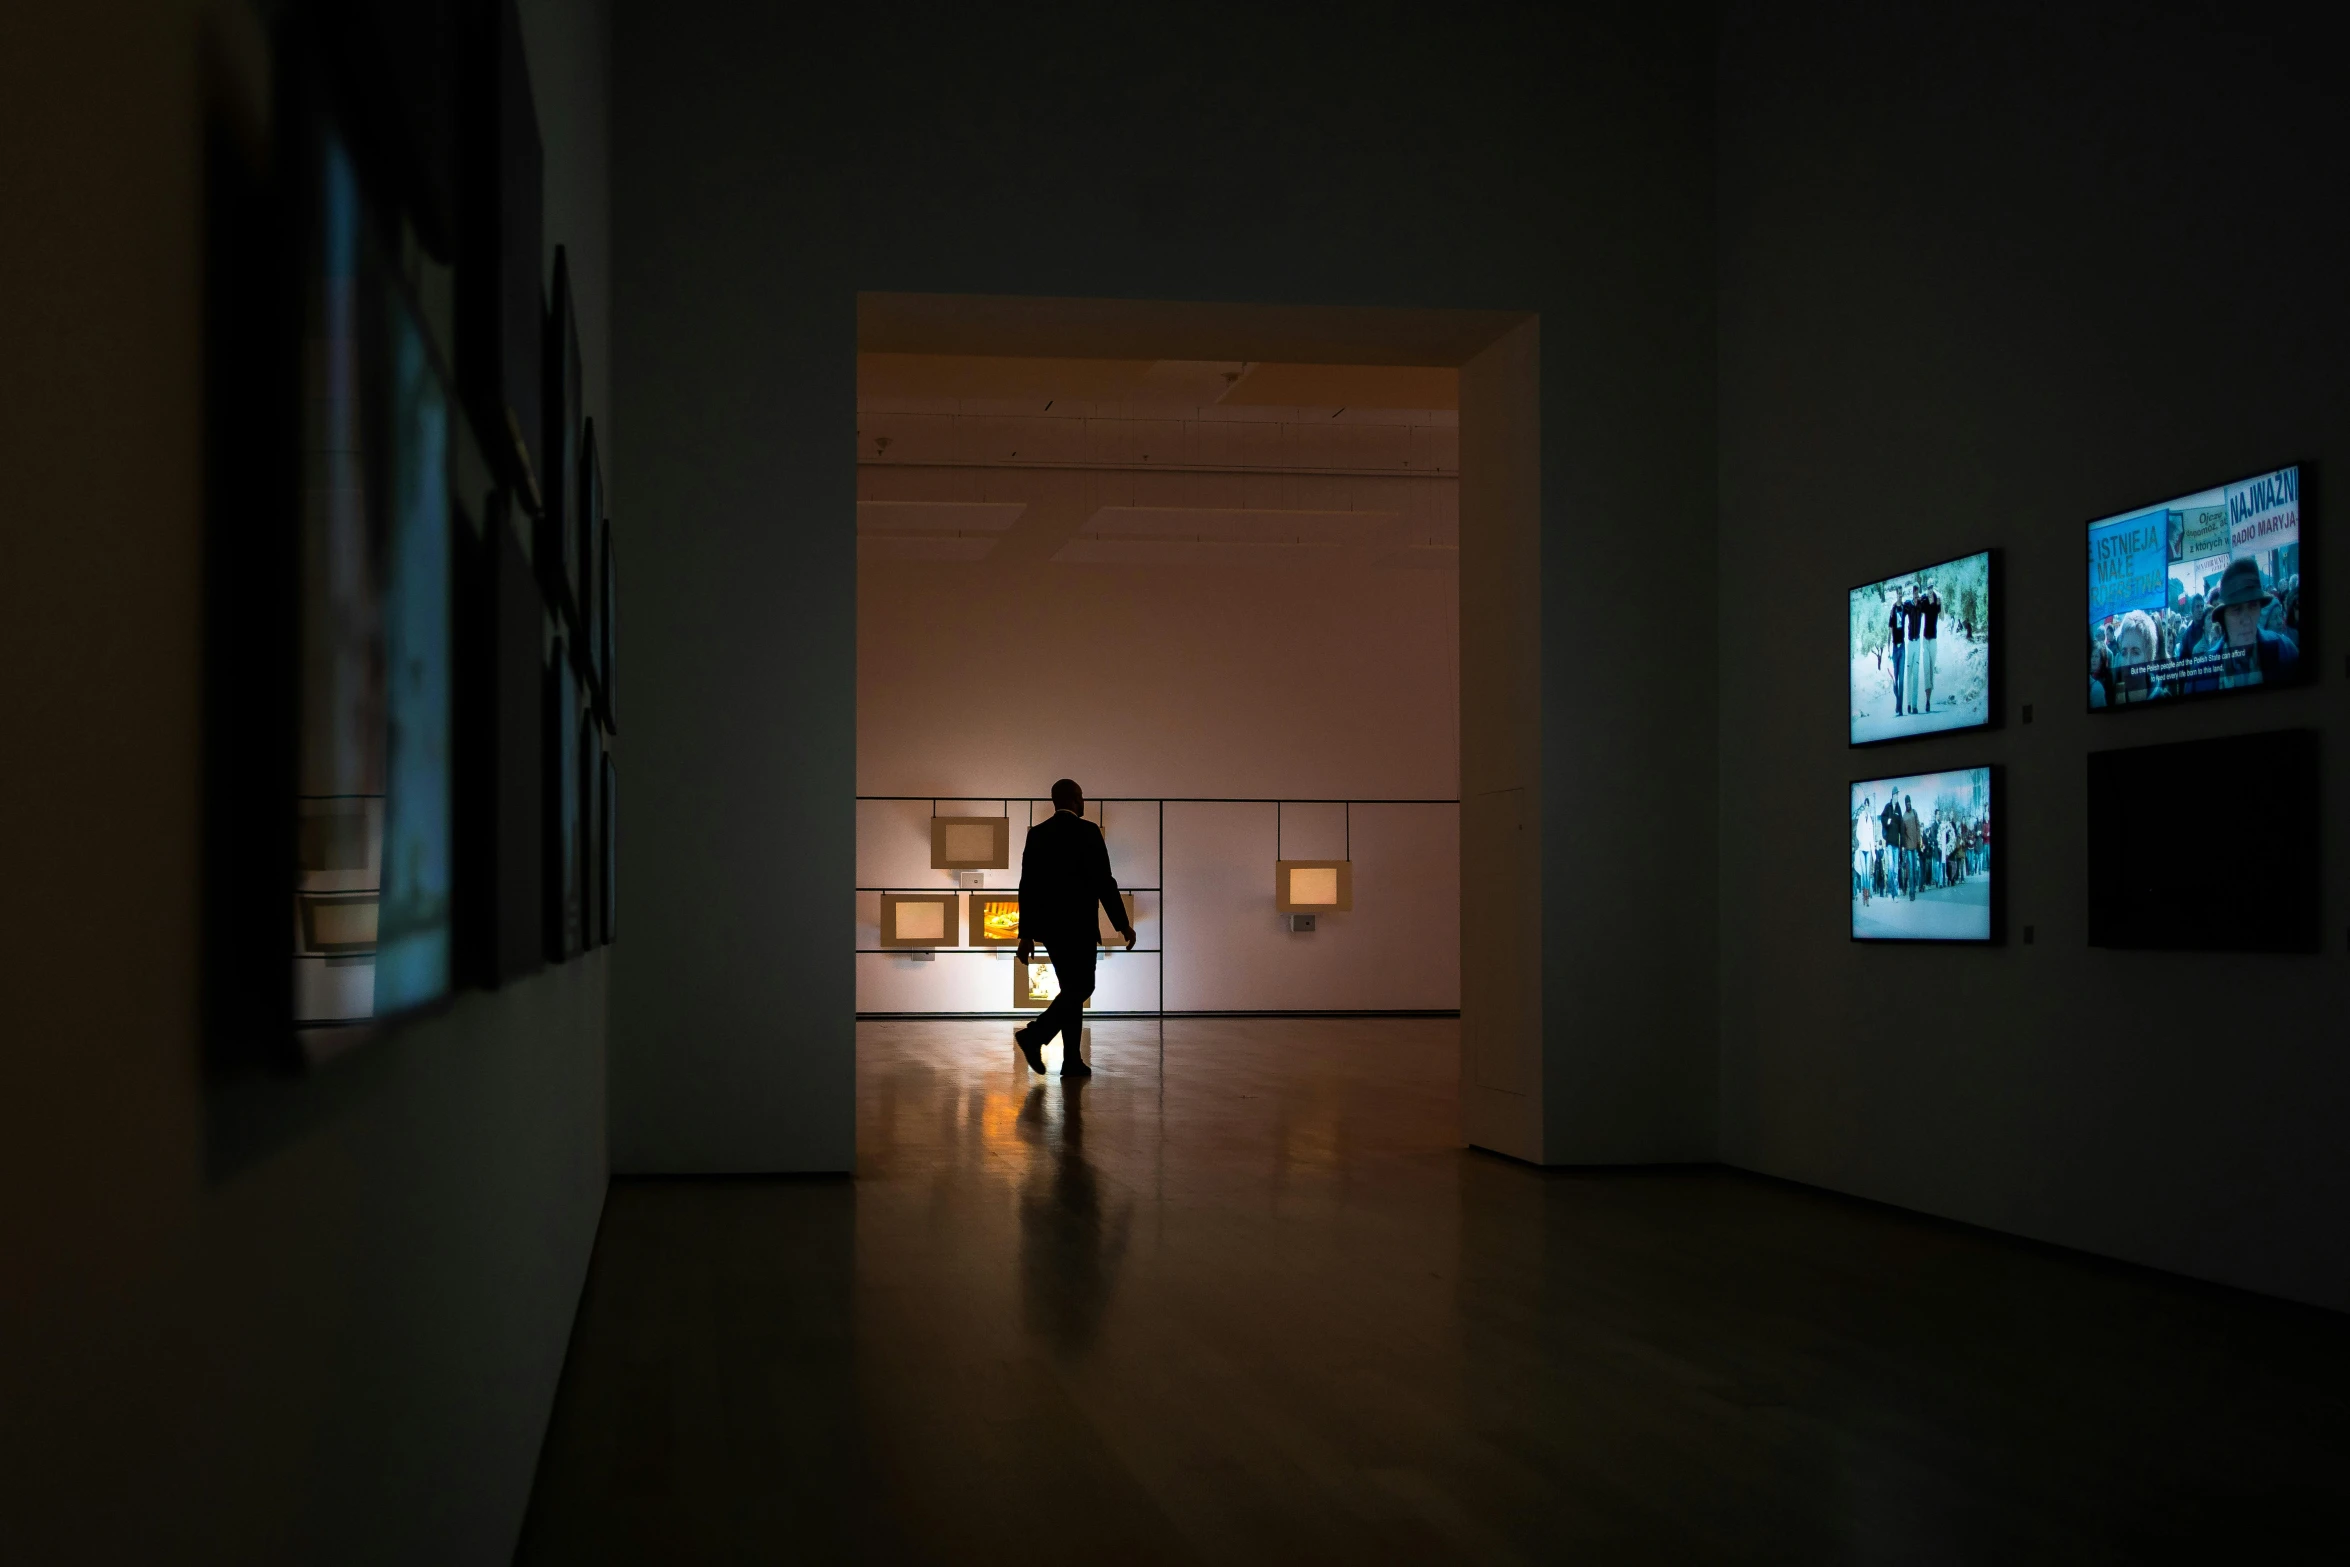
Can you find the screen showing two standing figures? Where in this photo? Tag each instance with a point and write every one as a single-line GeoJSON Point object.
{"type": "Point", "coordinates": [1920, 650]}
{"type": "Point", "coordinates": [2198, 594]}
{"type": "Point", "coordinates": [1921, 857]}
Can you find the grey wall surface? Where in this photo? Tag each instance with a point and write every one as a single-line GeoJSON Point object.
{"type": "Point", "coordinates": [310, 1321]}
{"type": "Point", "coordinates": [1981, 282]}
{"type": "Point", "coordinates": [764, 172]}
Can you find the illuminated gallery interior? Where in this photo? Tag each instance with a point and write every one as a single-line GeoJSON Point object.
{"type": "Point", "coordinates": [1408, 472]}
{"type": "Point", "coordinates": [1223, 595]}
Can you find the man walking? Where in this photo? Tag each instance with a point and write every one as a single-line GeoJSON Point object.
{"type": "Point", "coordinates": [1913, 614]}
{"type": "Point", "coordinates": [1930, 609]}
{"type": "Point", "coordinates": [1895, 625]}
{"type": "Point", "coordinates": [1913, 844]}
{"type": "Point", "coordinates": [1064, 875]}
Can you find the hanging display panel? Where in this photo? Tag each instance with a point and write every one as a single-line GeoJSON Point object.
{"type": "Point", "coordinates": [970, 843]}
{"type": "Point", "coordinates": [995, 919]}
{"type": "Point", "coordinates": [919, 919]}
{"type": "Point", "coordinates": [1313, 886]}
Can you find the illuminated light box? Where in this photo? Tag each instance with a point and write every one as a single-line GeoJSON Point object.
{"type": "Point", "coordinates": [995, 919]}
{"type": "Point", "coordinates": [338, 924]}
{"type": "Point", "coordinates": [970, 843]}
{"type": "Point", "coordinates": [1034, 985]}
{"type": "Point", "coordinates": [919, 919]}
{"type": "Point", "coordinates": [1106, 932]}
{"type": "Point", "coordinates": [1313, 886]}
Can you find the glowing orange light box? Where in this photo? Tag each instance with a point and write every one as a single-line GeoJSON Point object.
{"type": "Point", "coordinates": [1313, 886]}
{"type": "Point", "coordinates": [995, 919]}
{"type": "Point", "coordinates": [1034, 985]}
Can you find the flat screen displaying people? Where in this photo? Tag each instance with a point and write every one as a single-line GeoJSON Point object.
{"type": "Point", "coordinates": [1921, 857]}
{"type": "Point", "coordinates": [1920, 651]}
{"type": "Point", "coordinates": [2198, 594]}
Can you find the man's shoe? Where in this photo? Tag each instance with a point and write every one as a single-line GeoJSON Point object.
{"type": "Point", "coordinates": [1073, 1065]}
{"type": "Point", "coordinates": [1028, 1049]}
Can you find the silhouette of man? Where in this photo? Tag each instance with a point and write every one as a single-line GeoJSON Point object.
{"type": "Point", "coordinates": [1064, 875]}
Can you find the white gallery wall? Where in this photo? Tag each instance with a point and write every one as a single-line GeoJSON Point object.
{"type": "Point", "coordinates": [979, 682]}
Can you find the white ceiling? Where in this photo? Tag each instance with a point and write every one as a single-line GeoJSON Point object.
{"type": "Point", "coordinates": [1168, 462]}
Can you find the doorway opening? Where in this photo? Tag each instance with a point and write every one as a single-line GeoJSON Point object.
{"type": "Point", "coordinates": [1205, 560]}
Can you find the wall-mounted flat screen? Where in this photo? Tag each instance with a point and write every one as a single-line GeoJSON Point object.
{"type": "Point", "coordinates": [2197, 595]}
{"type": "Point", "coordinates": [1919, 648]}
{"type": "Point", "coordinates": [375, 791]}
{"type": "Point", "coordinates": [1921, 857]}
{"type": "Point", "coordinates": [2156, 881]}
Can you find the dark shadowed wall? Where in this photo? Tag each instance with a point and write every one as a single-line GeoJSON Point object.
{"type": "Point", "coordinates": [1983, 280]}
{"type": "Point", "coordinates": [1522, 158]}
{"type": "Point", "coordinates": [318, 1321]}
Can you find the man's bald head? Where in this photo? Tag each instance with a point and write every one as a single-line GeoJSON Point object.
{"type": "Point", "coordinates": [1068, 797]}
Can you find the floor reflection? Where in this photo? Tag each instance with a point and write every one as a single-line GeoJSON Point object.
{"type": "Point", "coordinates": [1246, 1299]}
{"type": "Point", "coordinates": [1069, 1248]}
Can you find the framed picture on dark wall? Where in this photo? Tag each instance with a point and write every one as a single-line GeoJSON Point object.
{"type": "Point", "coordinates": [2201, 594]}
{"type": "Point", "coordinates": [608, 640]}
{"type": "Point", "coordinates": [500, 301]}
{"type": "Point", "coordinates": [557, 544]}
{"type": "Point", "coordinates": [373, 819]}
{"type": "Point", "coordinates": [586, 524]}
{"type": "Point", "coordinates": [591, 831]}
{"type": "Point", "coordinates": [501, 750]}
{"type": "Point", "coordinates": [1920, 650]}
{"type": "Point", "coordinates": [611, 849]}
{"type": "Point", "coordinates": [565, 909]}
{"type": "Point", "coordinates": [1922, 858]}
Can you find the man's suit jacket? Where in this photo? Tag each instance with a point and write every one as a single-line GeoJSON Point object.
{"type": "Point", "coordinates": [1064, 876]}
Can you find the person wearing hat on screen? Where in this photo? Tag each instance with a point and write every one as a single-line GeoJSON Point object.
{"type": "Point", "coordinates": [1064, 875]}
{"type": "Point", "coordinates": [2240, 602]}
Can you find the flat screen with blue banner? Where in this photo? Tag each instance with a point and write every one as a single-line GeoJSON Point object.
{"type": "Point", "coordinates": [2198, 595]}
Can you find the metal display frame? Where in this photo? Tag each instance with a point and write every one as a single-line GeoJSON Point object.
{"type": "Point", "coordinates": [1160, 802]}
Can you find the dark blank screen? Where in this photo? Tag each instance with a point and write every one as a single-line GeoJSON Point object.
{"type": "Point", "coordinates": [2164, 875]}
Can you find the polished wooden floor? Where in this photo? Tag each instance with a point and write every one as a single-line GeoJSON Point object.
{"type": "Point", "coordinates": [1239, 1298]}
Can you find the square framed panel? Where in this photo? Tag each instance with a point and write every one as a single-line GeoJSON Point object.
{"type": "Point", "coordinates": [1034, 985]}
{"type": "Point", "coordinates": [920, 919]}
{"type": "Point", "coordinates": [337, 924]}
{"type": "Point", "coordinates": [995, 919]}
{"type": "Point", "coordinates": [1313, 886]}
{"type": "Point", "coordinates": [970, 843]}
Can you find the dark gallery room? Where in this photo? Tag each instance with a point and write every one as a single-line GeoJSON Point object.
{"type": "Point", "coordinates": [1224, 944]}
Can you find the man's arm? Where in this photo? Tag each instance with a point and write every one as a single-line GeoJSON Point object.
{"type": "Point", "coordinates": [1027, 948]}
{"type": "Point", "coordinates": [1108, 883]}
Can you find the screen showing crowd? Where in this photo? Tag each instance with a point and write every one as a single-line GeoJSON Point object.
{"type": "Point", "coordinates": [1920, 651]}
{"type": "Point", "coordinates": [2198, 594]}
{"type": "Point", "coordinates": [1921, 857]}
